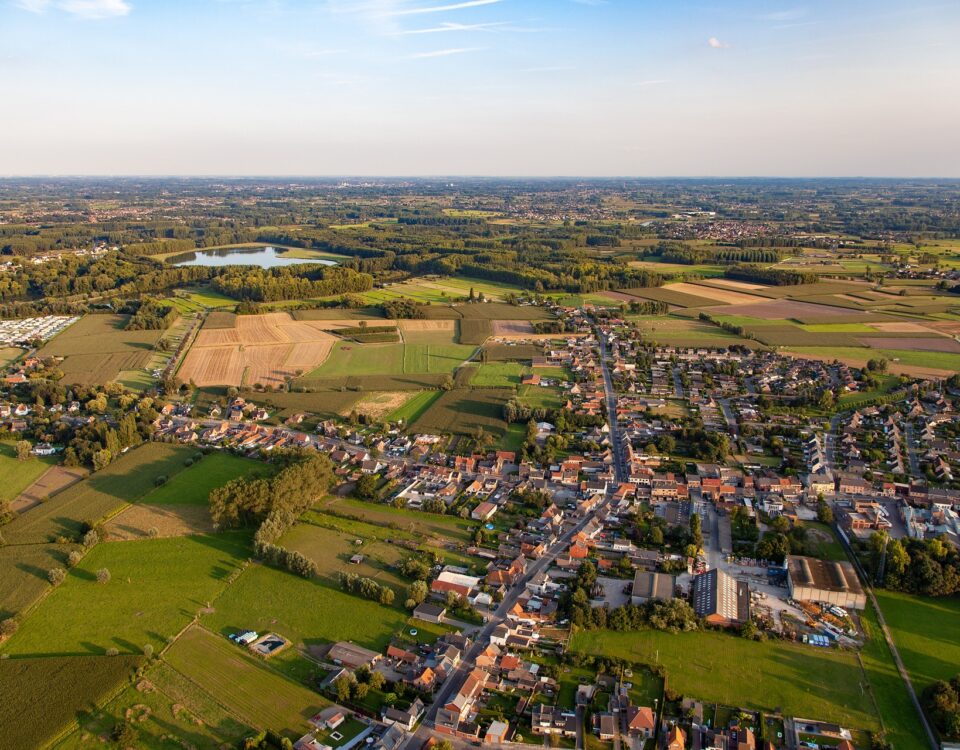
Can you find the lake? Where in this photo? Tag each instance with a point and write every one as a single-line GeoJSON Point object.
{"type": "Point", "coordinates": [265, 257]}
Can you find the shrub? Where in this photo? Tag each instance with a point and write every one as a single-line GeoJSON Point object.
{"type": "Point", "coordinates": [74, 558]}
{"type": "Point", "coordinates": [103, 575]}
{"type": "Point", "coordinates": [112, 651]}
{"type": "Point", "coordinates": [9, 626]}
{"type": "Point", "coordinates": [56, 576]}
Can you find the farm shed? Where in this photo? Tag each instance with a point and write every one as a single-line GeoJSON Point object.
{"type": "Point", "coordinates": [814, 580]}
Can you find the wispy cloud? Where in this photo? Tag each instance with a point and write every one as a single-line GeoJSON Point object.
{"type": "Point", "coordinates": [418, 10]}
{"type": "Point", "coordinates": [443, 52]}
{"type": "Point", "coordinates": [650, 82]}
{"type": "Point", "coordinates": [88, 9]}
{"type": "Point", "coordinates": [547, 69]}
{"type": "Point", "coordinates": [782, 16]}
{"type": "Point", "coordinates": [451, 26]}
{"type": "Point", "coordinates": [716, 43]}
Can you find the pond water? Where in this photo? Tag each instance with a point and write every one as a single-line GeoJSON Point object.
{"type": "Point", "coordinates": [265, 257]}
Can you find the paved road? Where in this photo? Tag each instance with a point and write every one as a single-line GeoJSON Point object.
{"type": "Point", "coordinates": [619, 464]}
{"type": "Point", "coordinates": [910, 434]}
{"type": "Point", "coordinates": [729, 416]}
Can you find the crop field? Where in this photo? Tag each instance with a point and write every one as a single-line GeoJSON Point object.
{"type": "Point", "coordinates": [429, 331]}
{"type": "Point", "coordinates": [720, 296]}
{"type": "Point", "coordinates": [41, 697]}
{"type": "Point", "coordinates": [463, 411]}
{"type": "Point", "coordinates": [340, 313]}
{"type": "Point", "coordinates": [670, 296]}
{"type": "Point", "coordinates": [782, 309]}
{"type": "Point", "coordinates": [220, 320]}
{"type": "Point", "coordinates": [498, 375]}
{"type": "Point", "coordinates": [414, 407]}
{"type": "Point", "coordinates": [129, 477]}
{"type": "Point", "coordinates": [16, 476]}
{"type": "Point", "coordinates": [24, 577]}
{"type": "Point", "coordinates": [158, 522]}
{"type": "Point", "coordinates": [770, 676]}
{"type": "Point", "coordinates": [192, 300]}
{"type": "Point", "coordinates": [53, 480]}
{"type": "Point", "coordinates": [381, 404]}
{"type": "Point", "coordinates": [920, 364]}
{"type": "Point", "coordinates": [476, 330]}
{"type": "Point", "coordinates": [9, 355]}
{"type": "Point", "coordinates": [162, 704]}
{"type": "Point", "coordinates": [264, 349]}
{"type": "Point", "coordinates": [193, 485]}
{"type": "Point", "coordinates": [97, 349]}
{"type": "Point", "coordinates": [512, 328]}
{"type": "Point", "coordinates": [254, 692]}
{"type": "Point", "coordinates": [924, 630]}
{"type": "Point", "coordinates": [512, 352]}
{"type": "Point", "coordinates": [350, 359]}
{"type": "Point", "coordinates": [674, 331]}
{"type": "Point", "coordinates": [360, 383]}
{"type": "Point", "coordinates": [156, 587]}
{"type": "Point", "coordinates": [324, 404]}
{"type": "Point", "coordinates": [538, 397]}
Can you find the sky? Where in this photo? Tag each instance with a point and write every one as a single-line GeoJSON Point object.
{"type": "Point", "coordinates": [480, 87]}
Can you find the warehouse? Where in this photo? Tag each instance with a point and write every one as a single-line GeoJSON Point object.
{"type": "Point", "coordinates": [813, 580]}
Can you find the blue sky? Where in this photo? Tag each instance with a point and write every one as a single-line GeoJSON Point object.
{"type": "Point", "coordinates": [502, 87]}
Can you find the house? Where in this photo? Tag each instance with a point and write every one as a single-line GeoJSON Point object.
{"type": "Point", "coordinates": [676, 739]}
{"type": "Point", "coordinates": [607, 727]}
{"type": "Point", "coordinates": [484, 511]}
{"type": "Point", "coordinates": [549, 720]}
{"type": "Point", "coordinates": [641, 721]}
{"type": "Point", "coordinates": [406, 718]}
{"type": "Point", "coordinates": [496, 733]}
{"type": "Point", "coordinates": [460, 584]}
{"type": "Point", "coordinates": [429, 612]}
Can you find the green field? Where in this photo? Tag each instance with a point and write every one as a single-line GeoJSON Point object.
{"type": "Point", "coordinates": [24, 576]}
{"type": "Point", "coordinates": [769, 676]}
{"type": "Point", "coordinates": [674, 331]}
{"type": "Point", "coordinates": [191, 300]}
{"type": "Point", "coordinates": [126, 479]}
{"type": "Point", "coordinates": [414, 407]}
{"type": "Point", "coordinates": [348, 359]}
{"type": "Point", "coordinates": [16, 476]}
{"type": "Point", "coordinates": [156, 587]}
{"type": "Point", "coordinates": [463, 411]}
{"type": "Point", "coordinates": [253, 691]}
{"type": "Point", "coordinates": [192, 486]}
{"type": "Point", "coordinates": [926, 632]}
{"type": "Point", "coordinates": [165, 703]}
{"type": "Point", "coordinates": [514, 437]}
{"type": "Point", "coordinates": [938, 360]}
{"type": "Point", "coordinates": [9, 355]}
{"type": "Point", "coordinates": [97, 348]}
{"type": "Point", "coordinates": [538, 397]}
{"type": "Point", "coordinates": [41, 697]}
{"type": "Point", "coordinates": [499, 375]}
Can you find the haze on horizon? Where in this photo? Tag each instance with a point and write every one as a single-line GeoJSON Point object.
{"type": "Point", "coordinates": [480, 87]}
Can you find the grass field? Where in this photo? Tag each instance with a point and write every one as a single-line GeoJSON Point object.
{"type": "Point", "coordinates": [156, 587]}
{"type": "Point", "coordinates": [925, 631]}
{"type": "Point", "coordinates": [324, 404]}
{"type": "Point", "coordinates": [946, 361]}
{"type": "Point", "coordinates": [674, 331]}
{"type": "Point", "coordinates": [538, 397]}
{"type": "Point", "coordinates": [9, 355]}
{"type": "Point", "coordinates": [129, 477]}
{"type": "Point", "coordinates": [769, 676]}
{"type": "Point", "coordinates": [191, 300]}
{"type": "Point", "coordinates": [193, 486]}
{"type": "Point", "coordinates": [414, 408]}
{"type": "Point", "coordinates": [16, 476]}
{"type": "Point", "coordinates": [97, 348]}
{"type": "Point", "coordinates": [163, 704]}
{"type": "Point", "coordinates": [41, 697]}
{"type": "Point", "coordinates": [499, 375]}
{"type": "Point", "coordinates": [463, 411]}
{"type": "Point", "coordinates": [254, 692]}
{"type": "Point", "coordinates": [24, 576]}
{"type": "Point", "coordinates": [513, 438]}
{"type": "Point", "coordinates": [349, 359]}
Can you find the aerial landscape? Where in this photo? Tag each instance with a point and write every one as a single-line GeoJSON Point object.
{"type": "Point", "coordinates": [345, 436]}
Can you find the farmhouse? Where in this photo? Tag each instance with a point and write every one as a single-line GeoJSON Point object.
{"type": "Point", "coordinates": [429, 612]}
{"type": "Point", "coordinates": [647, 586]}
{"type": "Point", "coordinates": [811, 579]}
{"type": "Point", "coordinates": [352, 656]}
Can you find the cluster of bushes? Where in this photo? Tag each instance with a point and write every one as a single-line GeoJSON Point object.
{"type": "Point", "coordinates": [941, 701]}
{"type": "Point", "coordinates": [366, 587]}
{"type": "Point", "coordinates": [770, 276]}
{"type": "Point", "coordinates": [292, 560]}
{"type": "Point", "coordinates": [151, 315]}
{"type": "Point", "coordinates": [402, 308]}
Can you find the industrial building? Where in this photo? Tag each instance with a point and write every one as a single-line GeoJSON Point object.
{"type": "Point", "coordinates": [814, 580]}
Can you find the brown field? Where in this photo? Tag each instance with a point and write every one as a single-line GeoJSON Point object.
{"type": "Point", "coordinates": [902, 327]}
{"type": "Point", "coordinates": [947, 327]}
{"type": "Point", "coordinates": [728, 297]}
{"type": "Point", "coordinates": [734, 284]}
{"type": "Point", "coordinates": [169, 520]}
{"type": "Point", "coordinates": [786, 308]}
{"type": "Point", "coordinates": [379, 403]}
{"type": "Point", "coordinates": [512, 328]}
{"type": "Point", "coordinates": [334, 324]}
{"type": "Point", "coordinates": [918, 344]}
{"type": "Point", "coordinates": [53, 480]}
{"type": "Point", "coordinates": [426, 325]}
{"type": "Point", "coordinates": [265, 349]}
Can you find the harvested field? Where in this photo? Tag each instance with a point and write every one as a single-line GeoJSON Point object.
{"type": "Point", "coordinates": [398, 382]}
{"type": "Point", "coordinates": [917, 344]}
{"type": "Point", "coordinates": [266, 349]}
{"type": "Point", "coordinates": [729, 297]}
{"type": "Point", "coordinates": [904, 327]}
{"type": "Point", "coordinates": [465, 410]}
{"type": "Point", "coordinates": [512, 328]}
{"type": "Point", "coordinates": [339, 313]}
{"type": "Point", "coordinates": [140, 521]}
{"type": "Point", "coordinates": [786, 308]}
{"type": "Point", "coordinates": [512, 352]}
{"type": "Point", "coordinates": [377, 405]}
{"type": "Point", "coordinates": [427, 325]}
{"type": "Point", "coordinates": [55, 479]}
{"type": "Point", "coordinates": [219, 319]}
{"type": "Point", "coordinates": [670, 296]}
{"type": "Point", "coordinates": [334, 324]}
{"type": "Point", "coordinates": [474, 331]}
{"type": "Point", "coordinates": [734, 284]}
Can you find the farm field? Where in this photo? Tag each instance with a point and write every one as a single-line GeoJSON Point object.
{"type": "Point", "coordinates": [129, 477]}
{"type": "Point", "coordinates": [768, 676]}
{"type": "Point", "coordinates": [323, 404]}
{"type": "Point", "coordinates": [162, 704]}
{"type": "Point", "coordinates": [429, 331]}
{"type": "Point", "coordinates": [935, 364]}
{"type": "Point", "coordinates": [381, 404]}
{"type": "Point", "coordinates": [684, 332]}
{"type": "Point", "coordinates": [254, 692]}
{"type": "Point", "coordinates": [428, 528]}
{"type": "Point", "coordinates": [97, 348]}
{"type": "Point", "coordinates": [156, 587]}
{"type": "Point", "coordinates": [197, 299]}
{"type": "Point", "coordinates": [499, 375]}
{"type": "Point", "coordinates": [266, 349]}
{"type": "Point", "coordinates": [539, 397]}
{"type": "Point", "coordinates": [192, 486]}
{"type": "Point", "coordinates": [15, 475]}
{"type": "Point", "coordinates": [50, 482]}
{"type": "Point", "coordinates": [142, 521]}
{"type": "Point", "coordinates": [414, 407]}
{"type": "Point", "coordinates": [42, 696]}
{"type": "Point", "coordinates": [348, 359]}
{"type": "Point", "coordinates": [463, 411]}
{"type": "Point", "coordinates": [9, 355]}
{"type": "Point", "coordinates": [24, 577]}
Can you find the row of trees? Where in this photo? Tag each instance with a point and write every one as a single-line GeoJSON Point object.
{"type": "Point", "coordinates": [366, 587]}
{"type": "Point", "coordinates": [274, 284]}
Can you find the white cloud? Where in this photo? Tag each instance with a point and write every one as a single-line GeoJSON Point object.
{"type": "Point", "coordinates": [451, 26]}
{"type": "Point", "coordinates": [439, 8]}
{"type": "Point", "coordinates": [716, 43]}
{"type": "Point", "coordinates": [443, 52]}
{"type": "Point", "coordinates": [90, 9]}
{"type": "Point", "coordinates": [791, 14]}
